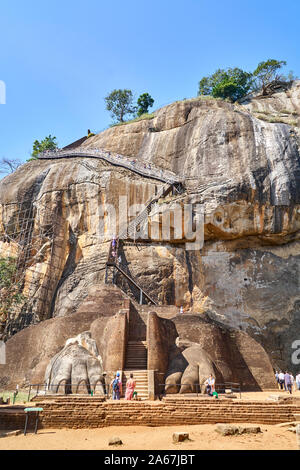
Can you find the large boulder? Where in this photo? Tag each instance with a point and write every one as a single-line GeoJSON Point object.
{"type": "Point", "coordinates": [244, 171]}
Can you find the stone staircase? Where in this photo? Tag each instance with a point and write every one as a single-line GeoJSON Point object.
{"type": "Point", "coordinates": [136, 355]}
{"type": "Point", "coordinates": [136, 363]}
{"type": "Point", "coordinates": [141, 379]}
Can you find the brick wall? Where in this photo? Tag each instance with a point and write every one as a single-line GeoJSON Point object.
{"type": "Point", "coordinates": [89, 412]}
{"type": "Point", "coordinates": [12, 418]}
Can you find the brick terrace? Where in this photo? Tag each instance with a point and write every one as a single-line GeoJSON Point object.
{"type": "Point", "coordinates": [92, 412]}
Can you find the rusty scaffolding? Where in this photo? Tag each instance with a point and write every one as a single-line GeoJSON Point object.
{"type": "Point", "coordinates": [29, 237]}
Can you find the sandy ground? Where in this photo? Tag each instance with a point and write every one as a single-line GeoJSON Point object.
{"type": "Point", "coordinates": [202, 437]}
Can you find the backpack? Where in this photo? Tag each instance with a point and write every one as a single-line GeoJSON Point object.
{"type": "Point", "coordinates": [115, 385]}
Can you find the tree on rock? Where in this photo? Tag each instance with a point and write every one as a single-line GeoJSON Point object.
{"type": "Point", "coordinates": [144, 102]}
{"type": "Point", "coordinates": [120, 103]}
{"type": "Point", "coordinates": [232, 83]}
{"type": "Point", "coordinates": [48, 143]}
{"type": "Point", "coordinates": [267, 72]}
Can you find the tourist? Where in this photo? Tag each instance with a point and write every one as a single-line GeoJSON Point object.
{"type": "Point", "coordinates": [292, 381]}
{"type": "Point", "coordinates": [281, 380]}
{"type": "Point", "coordinates": [181, 309]}
{"type": "Point", "coordinates": [297, 379]}
{"type": "Point", "coordinates": [130, 386]}
{"type": "Point", "coordinates": [116, 385]}
{"type": "Point", "coordinates": [210, 385]}
{"type": "Point", "coordinates": [288, 382]}
{"type": "Point", "coordinates": [211, 382]}
{"type": "Point", "coordinates": [277, 378]}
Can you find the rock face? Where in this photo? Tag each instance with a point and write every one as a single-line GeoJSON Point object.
{"type": "Point", "coordinates": [244, 172]}
{"type": "Point", "coordinates": [191, 348]}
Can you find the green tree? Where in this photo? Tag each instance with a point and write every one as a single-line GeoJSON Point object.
{"type": "Point", "coordinates": [266, 72]}
{"type": "Point", "coordinates": [232, 83]}
{"type": "Point", "coordinates": [120, 103]}
{"type": "Point", "coordinates": [48, 143]}
{"type": "Point", "coordinates": [144, 102]}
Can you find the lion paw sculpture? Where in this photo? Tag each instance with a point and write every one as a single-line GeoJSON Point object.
{"type": "Point", "coordinates": [77, 368]}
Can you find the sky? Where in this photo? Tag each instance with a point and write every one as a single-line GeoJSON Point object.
{"type": "Point", "coordinates": [60, 58]}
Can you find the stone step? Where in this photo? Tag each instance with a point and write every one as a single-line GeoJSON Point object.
{"type": "Point", "coordinates": [136, 354]}
{"type": "Point", "coordinates": [135, 366]}
{"type": "Point", "coordinates": [135, 357]}
{"type": "Point", "coordinates": [141, 379]}
{"type": "Point", "coordinates": [137, 344]}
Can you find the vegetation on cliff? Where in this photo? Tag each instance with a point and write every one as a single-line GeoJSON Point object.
{"type": "Point", "coordinates": [234, 83]}
{"type": "Point", "coordinates": [120, 103]}
{"type": "Point", "coordinates": [48, 143]}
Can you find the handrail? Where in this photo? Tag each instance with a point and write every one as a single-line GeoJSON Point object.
{"type": "Point", "coordinates": [115, 159]}
{"type": "Point", "coordinates": [129, 278]}
{"type": "Point", "coordinates": [46, 389]}
{"type": "Point", "coordinates": [128, 230]}
{"type": "Point", "coordinates": [219, 387]}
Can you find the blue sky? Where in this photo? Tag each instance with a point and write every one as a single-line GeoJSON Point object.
{"type": "Point", "coordinates": [59, 59]}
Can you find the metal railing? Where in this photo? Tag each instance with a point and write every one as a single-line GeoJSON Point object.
{"type": "Point", "coordinates": [68, 388]}
{"type": "Point", "coordinates": [83, 388]}
{"type": "Point", "coordinates": [131, 163]}
{"type": "Point", "coordinates": [220, 388]}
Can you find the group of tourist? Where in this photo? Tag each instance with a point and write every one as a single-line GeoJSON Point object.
{"type": "Point", "coordinates": [287, 381]}
{"type": "Point", "coordinates": [116, 385]}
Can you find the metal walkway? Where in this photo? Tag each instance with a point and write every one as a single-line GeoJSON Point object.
{"type": "Point", "coordinates": [131, 163]}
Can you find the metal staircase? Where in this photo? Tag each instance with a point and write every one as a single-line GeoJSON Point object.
{"type": "Point", "coordinates": [129, 231]}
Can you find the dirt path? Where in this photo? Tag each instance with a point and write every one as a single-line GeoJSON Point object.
{"type": "Point", "coordinates": [203, 437]}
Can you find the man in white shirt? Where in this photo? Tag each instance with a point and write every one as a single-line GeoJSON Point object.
{"type": "Point", "coordinates": [298, 381]}
{"type": "Point", "coordinates": [281, 380]}
{"type": "Point", "coordinates": [210, 385]}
